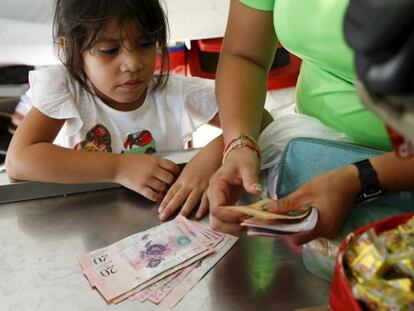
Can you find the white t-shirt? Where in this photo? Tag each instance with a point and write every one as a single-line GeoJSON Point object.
{"type": "Point", "coordinates": [164, 122]}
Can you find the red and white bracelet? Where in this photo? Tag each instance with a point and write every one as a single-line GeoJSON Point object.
{"type": "Point", "coordinates": [239, 143]}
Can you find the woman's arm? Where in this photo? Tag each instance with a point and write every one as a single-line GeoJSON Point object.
{"type": "Point", "coordinates": [333, 193]}
{"type": "Point", "coordinates": [241, 83]}
{"type": "Point", "coordinates": [394, 173]}
{"type": "Point", "coordinates": [246, 56]}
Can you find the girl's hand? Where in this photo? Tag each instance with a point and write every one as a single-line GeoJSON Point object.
{"type": "Point", "coordinates": [189, 189]}
{"type": "Point", "coordinates": [332, 193]}
{"type": "Point", "coordinates": [238, 173]}
{"type": "Point", "coordinates": [148, 175]}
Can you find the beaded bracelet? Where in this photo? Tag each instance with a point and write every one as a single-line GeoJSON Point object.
{"type": "Point", "coordinates": [235, 145]}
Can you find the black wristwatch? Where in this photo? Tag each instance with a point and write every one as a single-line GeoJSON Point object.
{"type": "Point", "coordinates": [370, 186]}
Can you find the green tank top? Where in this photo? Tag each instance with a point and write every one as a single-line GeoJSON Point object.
{"type": "Point", "coordinates": [313, 30]}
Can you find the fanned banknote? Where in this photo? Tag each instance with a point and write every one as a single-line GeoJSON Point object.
{"type": "Point", "coordinates": [144, 266]}
{"type": "Point", "coordinates": [139, 259]}
{"type": "Point", "coordinates": [151, 290]}
{"type": "Point", "coordinates": [201, 268]}
{"type": "Point", "coordinates": [158, 293]}
{"type": "Point", "coordinates": [169, 293]}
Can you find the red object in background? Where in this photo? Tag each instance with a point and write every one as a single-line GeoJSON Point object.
{"type": "Point", "coordinates": [203, 65]}
{"type": "Point", "coordinates": [203, 58]}
{"type": "Point", "coordinates": [285, 76]}
{"type": "Point", "coordinates": [210, 45]}
{"type": "Point", "coordinates": [341, 298]}
{"type": "Point", "coordinates": [402, 146]}
{"type": "Point", "coordinates": [201, 61]}
{"type": "Point", "coordinates": [178, 59]}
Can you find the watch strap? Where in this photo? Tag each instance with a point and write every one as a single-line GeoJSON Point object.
{"type": "Point", "coordinates": [368, 178]}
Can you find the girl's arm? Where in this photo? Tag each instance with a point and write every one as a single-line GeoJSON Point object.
{"type": "Point", "coordinates": [190, 187]}
{"type": "Point", "coordinates": [32, 156]}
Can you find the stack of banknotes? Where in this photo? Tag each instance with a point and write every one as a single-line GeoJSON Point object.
{"type": "Point", "coordinates": [159, 265]}
{"type": "Point", "coordinates": [264, 223]}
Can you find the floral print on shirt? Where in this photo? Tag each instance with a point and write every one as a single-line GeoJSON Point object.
{"type": "Point", "coordinates": [141, 141]}
{"type": "Point", "coordinates": [98, 139]}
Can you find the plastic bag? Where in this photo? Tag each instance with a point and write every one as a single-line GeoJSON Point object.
{"type": "Point", "coordinates": [275, 137]}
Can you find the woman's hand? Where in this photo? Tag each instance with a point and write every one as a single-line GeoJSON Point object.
{"type": "Point", "coordinates": [148, 175]}
{"type": "Point", "coordinates": [333, 193]}
{"type": "Point", "coordinates": [238, 173]}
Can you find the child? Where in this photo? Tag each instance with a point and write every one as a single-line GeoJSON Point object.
{"type": "Point", "coordinates": [106, 98]}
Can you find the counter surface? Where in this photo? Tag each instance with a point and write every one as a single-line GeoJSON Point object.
{"type": "Point", "coordinates": [40, 241]}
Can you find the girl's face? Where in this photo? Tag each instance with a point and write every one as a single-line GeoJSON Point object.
{"type": "Point", "coordinates": [120, 66]}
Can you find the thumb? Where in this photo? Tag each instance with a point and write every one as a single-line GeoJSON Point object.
{"type": "Point", "coordinates": [250, 179]}
{"type": "Point", "coordinates": [293, 201]}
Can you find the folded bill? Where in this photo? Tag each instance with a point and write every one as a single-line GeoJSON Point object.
{"type": "Point", "coordinates": [260, 227]}
{"type": "Point", "coordinates": [259, 210]}
{"type": "Point", "coordinates": [264, 223]}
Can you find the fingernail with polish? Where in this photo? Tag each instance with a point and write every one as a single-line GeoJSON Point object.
{"type": "Point", "coordinates": [258, 187]}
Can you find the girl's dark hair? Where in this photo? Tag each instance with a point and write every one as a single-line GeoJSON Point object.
{"type": "Point", "coordinates": [80, 22]}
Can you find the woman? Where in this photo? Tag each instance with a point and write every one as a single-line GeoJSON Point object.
{"type": "Point", "coordinates": [313, 31]}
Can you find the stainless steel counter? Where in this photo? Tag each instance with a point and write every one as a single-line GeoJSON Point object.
{"type": "Point", "coordinates": [41, 239]}
{"type": "Point", "coordinates": [15, 191]}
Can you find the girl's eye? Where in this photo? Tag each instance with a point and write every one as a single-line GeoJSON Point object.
{"type": "Point", "coordinates": [109, 52]}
